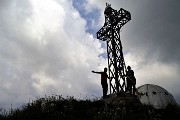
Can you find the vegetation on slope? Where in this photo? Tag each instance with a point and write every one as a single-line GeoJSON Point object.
{"type": "Point", "coordinates": [58, 108]}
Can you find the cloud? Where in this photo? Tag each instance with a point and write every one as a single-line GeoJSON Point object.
{"type": "Point", "coordinates": [45, 49]}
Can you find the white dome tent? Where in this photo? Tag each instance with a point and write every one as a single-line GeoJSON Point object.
{"type": "Point", "coordinates": [155, 95]}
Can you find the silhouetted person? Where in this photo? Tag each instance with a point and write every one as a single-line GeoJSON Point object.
{"type": "Point", "coordinates": [104, 83]}
{"type": "Point", "coordinates": [131, 80]}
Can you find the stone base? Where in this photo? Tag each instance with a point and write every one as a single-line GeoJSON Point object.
{"type": "Point", "coordinates": [122, 99]}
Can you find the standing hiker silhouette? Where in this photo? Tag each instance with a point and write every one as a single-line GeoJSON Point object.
{"type": "Point", "coordinates": [131, 80]}
{"type": "Point", "coordinates": [104, 83]}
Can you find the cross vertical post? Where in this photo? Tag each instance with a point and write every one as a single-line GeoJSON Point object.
{"type": "Point", "coordinates": [110, 33]}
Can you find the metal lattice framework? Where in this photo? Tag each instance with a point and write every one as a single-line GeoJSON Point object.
{"type": "Point", "coordinates": [110, 33]}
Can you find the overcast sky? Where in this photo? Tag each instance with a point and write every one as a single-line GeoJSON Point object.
{"type": "Point", "coordinates": [50, 47]}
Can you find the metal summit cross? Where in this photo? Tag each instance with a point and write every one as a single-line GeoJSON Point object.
{"type": "Point", "coordinates": [110, 33]}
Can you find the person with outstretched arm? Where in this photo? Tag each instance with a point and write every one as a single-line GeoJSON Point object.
{"type": "Point", "coordinates": [104, 83]}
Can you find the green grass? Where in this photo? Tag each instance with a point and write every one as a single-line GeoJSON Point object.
{"type": "Point", "coordinates": [59, 108]}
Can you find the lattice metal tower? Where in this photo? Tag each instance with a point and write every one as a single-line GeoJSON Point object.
{"type": "Point", "coordinates": [110, 33]}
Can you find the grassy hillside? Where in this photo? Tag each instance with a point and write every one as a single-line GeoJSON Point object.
{"type": "Point", "coordinates": [59, 108]}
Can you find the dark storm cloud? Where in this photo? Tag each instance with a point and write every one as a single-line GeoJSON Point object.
{"type": "Point", "coordinates": [155, 31]}
{"type": "Point", "coordinates": [154, 37]}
